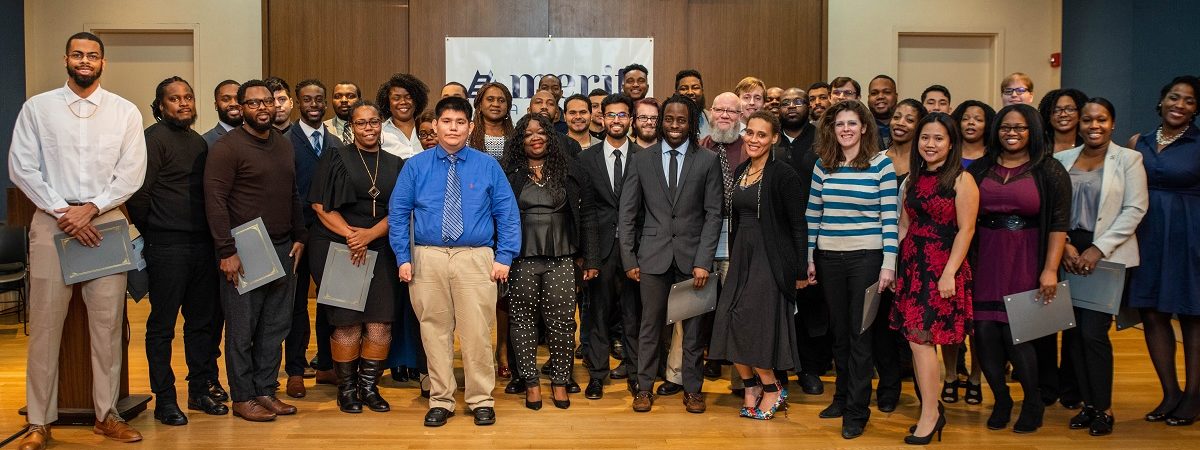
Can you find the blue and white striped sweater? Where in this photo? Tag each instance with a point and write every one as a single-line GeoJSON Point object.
{"type": "Point", "coordinates": [853, 209]}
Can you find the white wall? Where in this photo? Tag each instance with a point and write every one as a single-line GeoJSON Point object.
{"type": "Point", "coordinates": [228, 39]}
{"type": "Point", "coordinates": [863, 34]}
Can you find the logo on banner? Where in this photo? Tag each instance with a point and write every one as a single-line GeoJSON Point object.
{"type": "Point", "coordinates": [524, 85]}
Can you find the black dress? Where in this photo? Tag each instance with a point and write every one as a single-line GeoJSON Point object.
{"type": "Point", "coordinates": [753, 323]}
{"type": "Point", "coordinates": [342, 183]}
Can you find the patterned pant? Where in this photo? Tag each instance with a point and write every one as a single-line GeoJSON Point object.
{"type": "Point", "coordinates": [546, 286]}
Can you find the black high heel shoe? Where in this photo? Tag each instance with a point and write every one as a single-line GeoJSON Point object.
{"type": "Point", "coordinates": [950, 392]}
{"type": "Point", "coordinates": [974, 395]}
{"type": "Point", "coordinates": [533, 405]}
{"type": "Point", "coordinates": [1163, 411]}
{"type": "Point", "coordinates": [941, 411]}
{"type": "Point", "coordinates": [560, 404]}
{"type": "Point", "coordinates": [937, 428]}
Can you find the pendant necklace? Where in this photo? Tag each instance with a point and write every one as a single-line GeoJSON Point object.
{"type": "Point", "coordinates": [373, 191]}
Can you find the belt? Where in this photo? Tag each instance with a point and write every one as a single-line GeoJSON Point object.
{"type": "Point", "coordinates": [1007, 222]}
{"type": "Point", "coordinates": [77, 203]}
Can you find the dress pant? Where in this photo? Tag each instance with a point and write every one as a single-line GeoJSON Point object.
{"type": "Point", "coordinates": [295, 345]}
{"type": "Point", "coordinates": [1089, 347]}
{"type": "Point", "coordinates": [889, 349]}
{"type": "Point", "coordinates": [844, 277]}
{"type": "Point", "coordinates": [183, 277]}
{"type": "Point", "coordinates": [1056, 378]}
{"type": "Point", "coordinates": [543, 287]}
{"type": "Point", "coordinates": [612, 294]}
{"type": "Point", "coordinates": [655, 289]}
{"type": "Point", "coordinates": [255, 324]}
{"type": "Point", "coordinates": [49, 300]}
{"type": "Point", "coordinates": [453, 293]}
{"type": "Point", "coordinates": [815, 352]}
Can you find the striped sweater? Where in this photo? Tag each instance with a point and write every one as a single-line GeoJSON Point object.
{"type": "Point", "coordinates": [853, 209]}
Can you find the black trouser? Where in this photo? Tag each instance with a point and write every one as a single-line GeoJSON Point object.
{"type": "Point", "coordinates": [890, 350]}
{"type": "Point", "coordinates": [295, 346]}
{"type": "Point", "coordinates": [815, 349]}
{"type": "Point", "coordinates": [655, 288]}
{"type": "Point", "coordinates": [255, 325]}
{"type": "Point", "coordinates": [542, 286]}
{"type": "Point", "coordinates": [612, 294]}
{"type": "Point", "coordinates": [182, 277]}
{"type": "Point", "coordinates": [844, 277]}
{"type": "Point", "coordinates": [1088, 345]}
{"type": "Point", "coordinates": [1056, 378]}
{"type": "Point", "coordinates": [993, 343]}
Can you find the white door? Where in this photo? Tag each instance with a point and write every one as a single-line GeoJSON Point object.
{"type": "Point", "coordinates": [964, 63]}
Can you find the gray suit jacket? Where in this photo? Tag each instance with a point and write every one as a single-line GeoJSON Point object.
{"type": "Point", "coordinates": [212, 135]}
{"type": "Point", "coordinates": [683, 229]}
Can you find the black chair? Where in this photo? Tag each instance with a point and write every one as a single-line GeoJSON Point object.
{"type": "Point", "coordinates": [14, 271]}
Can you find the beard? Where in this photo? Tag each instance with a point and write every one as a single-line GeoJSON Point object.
{"type": "Point", "coordinates": [645, 135]}
{"type": "Point", "coordinates": [85, 81]}
{"type": "Point", "coordinates": [259, 126]}
{"type": "Point", "coordinates": [179, 123]}
{"type": "Point", "coordinates": [724, 136]}
{"type": "Point", "coordinates": [789, 124]}
{"type": "Point", "coordinates": [223, 116]}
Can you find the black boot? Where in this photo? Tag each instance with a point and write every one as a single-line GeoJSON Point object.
{"type": "Point", "coordinates": [347, 376]}
{"type": "Point", "coordinates": [368, 385]}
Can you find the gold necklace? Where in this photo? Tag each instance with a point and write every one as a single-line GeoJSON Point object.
{"type": "Point", "coordinates": [93, 111]}
{"type": "Point", "coordinates": [373, 191]}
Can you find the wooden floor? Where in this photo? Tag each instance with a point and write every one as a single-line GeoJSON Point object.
{"type": "Point", "coordinates": [606, 423]}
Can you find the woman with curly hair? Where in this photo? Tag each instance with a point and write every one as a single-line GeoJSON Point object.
{"type": "Point", "coordinates": [401, 99]}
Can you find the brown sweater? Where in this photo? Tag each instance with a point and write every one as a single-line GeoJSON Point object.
{"type": "Point", "coordinates": [247, 177]}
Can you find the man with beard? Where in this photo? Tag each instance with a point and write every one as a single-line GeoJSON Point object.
{"type": "Point", "coordinates": [612, 294]}
{"type": "Point", "coordinates": [229, 114]}
{"type": "Point", "coordinates": [634, 81]}
{"type": "Point", "coordinates": [283, 103]}
{"type": "Point", "coordinates": [345, 95]}
{"type": "Point", "coordinates": [251, 173]}
{"type": "Point", "coordinates": [309, 139]}
{"type": "Point", "coordinates": [819, 100]}
{"type": "Point", "coordinates": [645, 122]}
{"type": "Point", "coordinates": [169, 212]}
{"type": "Point", "coordinates": [771, 101]}
{"type": "Point", "coordinates": [550, 82]}
{"type": "Point", "coordinates": [881, 98]}
{"type": "Point", "coordinates": [578, 111]}
{"type": "Point", "coordinates": [543, 103]}
{"type": "Point", "coordinates": [78, 153]}
{"type": "Point", "coordinates": [689, 84]}
{"type": "Point", "coordinates": [596, 125]}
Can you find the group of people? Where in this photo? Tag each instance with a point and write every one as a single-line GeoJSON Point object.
{"type": "Point", "coordinates": [794, 201]}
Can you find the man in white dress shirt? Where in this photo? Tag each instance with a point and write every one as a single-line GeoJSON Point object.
{"type": "Point", "coordinates": [78, 152]}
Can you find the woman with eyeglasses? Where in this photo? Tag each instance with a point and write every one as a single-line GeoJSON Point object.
{"type": "Point", "coordinates": [1024, 209]}
{"type": "Point", "coordinates": [1017, 88]}
{"type": "Point", "coordinates": [1108, 184]}
{"type": "Point", "coordinates": [1060, 112]}
{"type": "Point", "coordinates": [349, 193]}
{"type": "Point", "coordinates": [1167, 283]}
{"type": "Point", "coordinates": [558, 224]}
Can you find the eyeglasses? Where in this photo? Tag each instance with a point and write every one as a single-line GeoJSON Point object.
{"type": "Point", "coordinates": [726, 112]}
{"type": "Point", "coordinates": [1005, 129]}
{"type": "Point", "coordinates": [620, 115]}
{"type": "Point", "coordinates": [1016, 91]}
{"type": "Point", "coordinates": [255, 103]}
{"type": "Point", "coordinates": [363, 123]}
{"type": "Point", "coordinates": [1065, 110]}
{"type": "Point", "coordinates": [426, 134]}
{"type": "Point", "coordinates": [845, 92]}
{"type": "Point", "coordinates": [80, 56]}
{"type": "Point", "coordinates": [647, 119]}
{"type": "Point", "coordinates": [793, 102]}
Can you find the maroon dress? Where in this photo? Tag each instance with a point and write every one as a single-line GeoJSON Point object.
{"type": "Point", "coordinates": [1007, 261]}
{"type": "Point", "coordinates": [920, 312]}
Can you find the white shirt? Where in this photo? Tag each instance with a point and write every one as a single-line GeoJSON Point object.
{"type": "Point", "coordinates": [396, 143]}
{"type": "Point", "coordinates": [609, 159]}
{"type": "Point", "coordinates": [71, 149]}
{"type": "Point", "coordinates": [308, 131]}
{"type": "Point", "coordinates": [666, 159]}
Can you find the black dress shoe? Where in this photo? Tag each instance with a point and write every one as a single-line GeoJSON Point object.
{"type": "Point", "coordinates": [887, 406]}
{"type": "Point", "coordinates": [216, 391]}
{"type": "Point", "coordinates": [169, 414]}
{"type": "Point", "coordinates": [579, 351]}
{"type": "Point", "coordinates": [1102, 425]}
{"type": "Point", "coordinates": [514, 386]}
{"type": "Point", "coordinates": [595, 389]}
{"type": "Point", "coordinates": [632, 386]}
{"type": "Point", "coordinates": [669, 388]}
{"type": "Point", "coordinates": [437, 416]}
{"type": "Point", "coordinates": [811, 384]}
{"type": "Point", "coordinates": [207, 404]}
{"type": "Point", "coordinates": [851, 431]}
{"type": "Point", "coordinates": [1179, 421]}
{"type": "Point", "coordinates": [572, 386]}
{"type": "Point", "coordinates": [400, 374]}
{"type": "Point", "coordinates": [1083, 419]}
{"type": "Point", "coordinates": [834, 410]}
{"type": "Point", "coordinates": [712, 369]}
{"type": "Point", "coordinates": [617, 349]}
{"type": "Point", "coordinates": [484, 415]}
{"type": "Point", "coordinates": [621, 372]}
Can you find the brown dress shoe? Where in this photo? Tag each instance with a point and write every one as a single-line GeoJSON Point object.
{"type": "Point", "coordinates": [35, 438]}
{"type": "Point", "coordinates": [273, 404]}
{"type": "Point", "coordinates": [253, 411]}
{"type": "Point", "coordinates": [295, 386]}
{"type": "Point", "coordinates": [116, 429]}
{"type": "Point", "coordinates": [326, 377]}
{"type": "Point", "coordinates": [643, 401]}
{"type": "Point", "coordinates": [694, 402]}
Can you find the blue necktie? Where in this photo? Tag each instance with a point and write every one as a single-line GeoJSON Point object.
{"type": "Point", "coordinates": [316, 142]}
{"type": "Point", "coordinates": [452, 221]}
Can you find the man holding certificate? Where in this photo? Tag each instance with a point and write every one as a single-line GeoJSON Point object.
{"type": "Point", "coordinates": [251, 174]}
{"type": "Point", "coordinates": [78, 153]}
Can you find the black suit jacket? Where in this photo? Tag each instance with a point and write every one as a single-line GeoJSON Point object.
{"type": "Point", "coordinates": [607, 204]}
{"type": "Point", "coordinates": [306, 162]}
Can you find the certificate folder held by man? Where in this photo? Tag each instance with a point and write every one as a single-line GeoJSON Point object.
{"type": "Point", "coordinates": [686, 302]}
{"type": "Point", "coordinates": [260, 262]}
{"type": "Point", "coordinates": [82, 263]}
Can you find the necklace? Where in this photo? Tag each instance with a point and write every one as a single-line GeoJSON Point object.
{"type": "Point", "coordinates": [535, 181]}
{"type": "Point", "coordinates": [539, 166]}
{"type": "Point", "coordinates": [373, 191]}
{"type": "Point", "coordinates": [758, 195]}
{"type": "Point", "coordinates": [69, 108]}
{"type": "Point", "coordinates": [1164, 141]}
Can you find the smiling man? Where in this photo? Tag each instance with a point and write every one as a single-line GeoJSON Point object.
{"type": "Point", "coordinates": [345, 94]}
{"type": "Point", "coordinates": [229, 114]}
{"type": "Point", "coordinates": [635, 82]}
{"type": "Point", "coordinates": [578, 112]}
{"type": "Point", "coordinates": [882, 98]}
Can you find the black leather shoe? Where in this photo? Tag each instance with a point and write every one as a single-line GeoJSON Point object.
{"type": "Point", "coordinates": [216, 391]}
{"type": "Point", "coordinates": [169, 414]}
{"type": "Point", "coordinates": [572, 386]}
{"type": "Point", "coordinates": [207, 404]}
{"type": "Point", "coordinates": [484, 415]}
{"type": "Point", "coordinates": [1083, 419]}
{"type": "Point", "coordinates": [834, 410]}
{"type": "Point", "coordinates": [669, 388]}
{"type": "Point", "coordinates": [887, 406]}
{"type": "Point", "coordinates": [1102, 425]}
{"type": "Point", "coordinates": [514, 386]}
{"type": "Point", "coordinates": [851, 431]}
{"type": "Point", "coordinates": [621, 372]}
{"type": "Point", "coordinates": [712, 369]}
{"type": "Point", "coordinates": [811, 384]}
{"type": "Point", "coordinates": [595, 389]}
{"type": "Point", "coordinates": [579, 352]}
{"type": "Point", "coordinates": [437, 416]}
{"type": "Point", "coordinates": [617, 349]}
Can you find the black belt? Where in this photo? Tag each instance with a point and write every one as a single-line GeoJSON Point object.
{"type": "Point", "coordinates": [76, 203]}
{"type": "Point", "coordinates": [1007, 222]}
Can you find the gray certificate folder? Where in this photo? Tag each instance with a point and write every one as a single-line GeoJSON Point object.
{"type": "Point", "coordinates": [82, 263]}
{"type": "Point", "coordinates": [1101, 291]}
{"type": "Point", "coordinates": [260, 263]}
{"type": "Point", "coordinates": [346, 284]}
{"type": "Point", "coordinates": [871, 300]}
{"type": "Point", "coordinates": [1029, 318]}
{"type": "Point", "coordinates": [686, 302]}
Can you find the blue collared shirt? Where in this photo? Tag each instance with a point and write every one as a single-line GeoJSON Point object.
{"type": "Point", "coordinates": [666, 159]}
{"type": "Point", "coordinates": [489, 207]}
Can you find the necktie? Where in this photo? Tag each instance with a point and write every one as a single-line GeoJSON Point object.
{"type": "Point", "coordinates": [452, 221]}
{"type": "Point", "coordinates": [673, 175]}
{"type": "Point", "coordinates": [346, 136]}
{"type": "Point", "coordinates": [726, 176]}
{"type": "Point", "coordinates": [316, 142]}
{"type": "Point", "coordinates": [617, 175]}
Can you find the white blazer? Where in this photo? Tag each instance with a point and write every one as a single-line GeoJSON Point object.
{"type": "Point", "coordinates": [1123, 202]}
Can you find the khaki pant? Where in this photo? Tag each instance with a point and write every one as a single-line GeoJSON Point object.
{"type": "Point", "coordinates": [451, 291]}
{"type": "Point", "coordinates": [674, 370]}
{"type": "Point", "coordinates": [48, 302]}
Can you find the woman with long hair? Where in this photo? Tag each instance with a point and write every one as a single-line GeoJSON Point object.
{"type": "Point", "coordinates": [492, 122]}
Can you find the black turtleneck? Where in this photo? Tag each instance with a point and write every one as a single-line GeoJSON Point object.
{"type": "Point", "coordinates": [169, 207]}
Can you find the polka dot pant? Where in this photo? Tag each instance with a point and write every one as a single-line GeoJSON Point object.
{"type": "Point", "coordinates": [546, 286]}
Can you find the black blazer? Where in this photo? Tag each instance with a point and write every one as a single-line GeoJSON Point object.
{"type": "Point", "coordinates": [580, 199]}
{"type": "Point", "coordinates": [306, 162]}
{"type": "Point", "coordinates": [1054, 192]}
{"type": "Point", "coordinates": [785, 229]}
{"type": "Point", "coordinates": [606, 202]}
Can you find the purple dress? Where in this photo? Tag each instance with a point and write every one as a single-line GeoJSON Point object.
{"type": "Point", "coordinates": [1007, 259]}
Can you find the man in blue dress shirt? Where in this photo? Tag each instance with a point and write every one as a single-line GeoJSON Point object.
{"type": "Point", "coordinates": [460, 207]}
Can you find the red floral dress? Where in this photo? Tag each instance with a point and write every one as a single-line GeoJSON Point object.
{"type": "Point", "coordinates": [920, 312]}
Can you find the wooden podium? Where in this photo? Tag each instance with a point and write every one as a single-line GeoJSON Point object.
{"type": "Point", "coordinates": [75, 405]}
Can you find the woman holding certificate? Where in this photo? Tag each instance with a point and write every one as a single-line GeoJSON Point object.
{"type": "Point", "coordinates": [1024, 209]}
{"type": "Point", "coordinates": [349, 192]}
{"type": "Point", "coordinates": [1109, 199]}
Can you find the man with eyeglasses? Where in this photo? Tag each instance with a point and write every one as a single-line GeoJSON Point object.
{"type": "Point", "coordinates": [251, 173]}
{"type": "Point", "coordinates": [283, 103]}
{"type": "Point", "coordinates": [345, 95]}
{"type": "Point", "coordinates": [635, 82]}
{"type": "Point", "coordinates": [78, 152]}
{"type": "Point", "coordinates": [819, 100]}
{"type": "Point", "coordinates": [229, 114]}
{"type": "Point", "coordinates": [310, 139]}
{"type": "Point", "coordinates": [645, 122]}
{"type": "Point", "coordinates": [843, 88]}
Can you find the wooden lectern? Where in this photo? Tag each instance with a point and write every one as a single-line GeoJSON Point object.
{"type": "Point", "coordinates": [74, 359]}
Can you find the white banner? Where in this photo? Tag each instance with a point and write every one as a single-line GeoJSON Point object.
{"type": "Point", "coordinates": [581, 64]}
